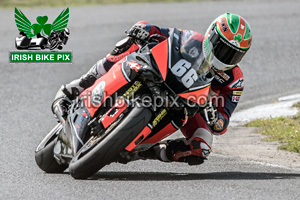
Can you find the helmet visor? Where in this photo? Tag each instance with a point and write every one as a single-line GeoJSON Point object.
{"type": "Point", "coordinates": [223, 50]}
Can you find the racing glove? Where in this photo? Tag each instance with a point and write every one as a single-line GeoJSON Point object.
{"type": "Point", "coordinates": [139, 32]}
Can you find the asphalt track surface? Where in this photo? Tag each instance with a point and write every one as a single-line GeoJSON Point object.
{"type": "Point", "coordinates": [271, 69]}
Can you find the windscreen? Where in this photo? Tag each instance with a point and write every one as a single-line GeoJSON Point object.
{"type": "Point", "coordinates": [191, 50]}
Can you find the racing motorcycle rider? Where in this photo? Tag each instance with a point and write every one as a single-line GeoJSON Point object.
{"type": "Point", "coordinates": [230, 37]}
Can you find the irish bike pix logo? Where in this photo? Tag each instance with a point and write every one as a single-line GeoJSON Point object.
{"type": "Point", "coordinates": [41, 42]}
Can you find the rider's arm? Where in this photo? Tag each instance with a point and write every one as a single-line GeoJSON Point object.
{"type": "Point", "coordinates": [231, 94]}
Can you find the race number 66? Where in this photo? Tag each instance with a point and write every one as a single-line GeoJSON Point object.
{"type": "Point", "coordinates": [187, 74]}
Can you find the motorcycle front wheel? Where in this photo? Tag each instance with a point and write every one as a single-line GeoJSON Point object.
{"type": "Point", "coordinates": [94, 155]}
{"type": "Point", "coordinates": [44, 155]}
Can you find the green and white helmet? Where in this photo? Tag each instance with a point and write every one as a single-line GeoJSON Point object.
{"type": "Point", "coordinates": [228, 38]}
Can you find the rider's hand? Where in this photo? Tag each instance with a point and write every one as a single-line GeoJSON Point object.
{"type": "Point", "coordinates": [138, 31]}
{"type": "Point", "coordinates": [210, 114]}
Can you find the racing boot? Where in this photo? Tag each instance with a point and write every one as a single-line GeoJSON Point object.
{"type": "Point", "coordinates": [164, 151]}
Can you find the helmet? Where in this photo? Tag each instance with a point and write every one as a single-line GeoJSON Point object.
{"type": "Point", "coordinates": [228, 38]}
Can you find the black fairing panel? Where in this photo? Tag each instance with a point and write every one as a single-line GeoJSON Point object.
{"type": "Point", "coordinates": [174, 82]}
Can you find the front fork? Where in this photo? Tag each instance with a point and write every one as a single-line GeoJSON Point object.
{"type": "Point", "coordinates": [70, 138]}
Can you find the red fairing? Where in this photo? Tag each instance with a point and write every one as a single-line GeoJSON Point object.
{"type": "Point", "coordinates": [160, 54]}
{"type": "Point", "coordinates": [198, 96]}
{"type": "Point", "coordinates": [104, 87]}
{"type": "Point", "coordinates": [145, 132]}
{"type": "Point", "coordinates": [163, 133]}
{"type": "Point", "coordinates": [114, 112]}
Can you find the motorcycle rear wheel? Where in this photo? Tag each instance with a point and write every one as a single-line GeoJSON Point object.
{"type": "Point", "coordinates": [92, 157]}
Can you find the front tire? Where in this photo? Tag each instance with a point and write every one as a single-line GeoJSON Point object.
{"type": "Point", "coordinates": [44, 155]}
{"type": "Point", "coordinates": [106, 151]}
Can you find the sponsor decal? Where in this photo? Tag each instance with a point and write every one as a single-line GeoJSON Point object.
{"type": "Point", "coordinates": [159, 117]}
{"type": "Point", "coordinates": [219, 79]}
{"type": "Point", "coordinates": [219, 125]}
{"type": "Point", "coordinates": [133, 65]}
{"type": "Point", "coordinates": [98, 93]}
{"type": "Point", "coordinates": [41, 35]}
{"type": "Point", "coordinates": [237, 93]}
{"type": "Point", "coordinates": [236, 98]}
{"type": "Point", "coordinates": [132, 90]}
{"type": "Point", "coordinates": [237, 84]}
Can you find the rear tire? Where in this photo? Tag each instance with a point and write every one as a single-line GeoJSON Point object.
{"type": "Point", "coordinates": [106, 151]}
{"type": "Point", "coordinates": [44, 155]}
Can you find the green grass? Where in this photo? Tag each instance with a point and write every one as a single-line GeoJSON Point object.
{"type": "Point", "coordinates": [285, 130]}
{"type": "Point", "coordinates": [58, 3]}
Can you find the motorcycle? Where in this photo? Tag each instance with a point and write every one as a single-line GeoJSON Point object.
{"type": "Point", "coordinates": [144, 98]}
